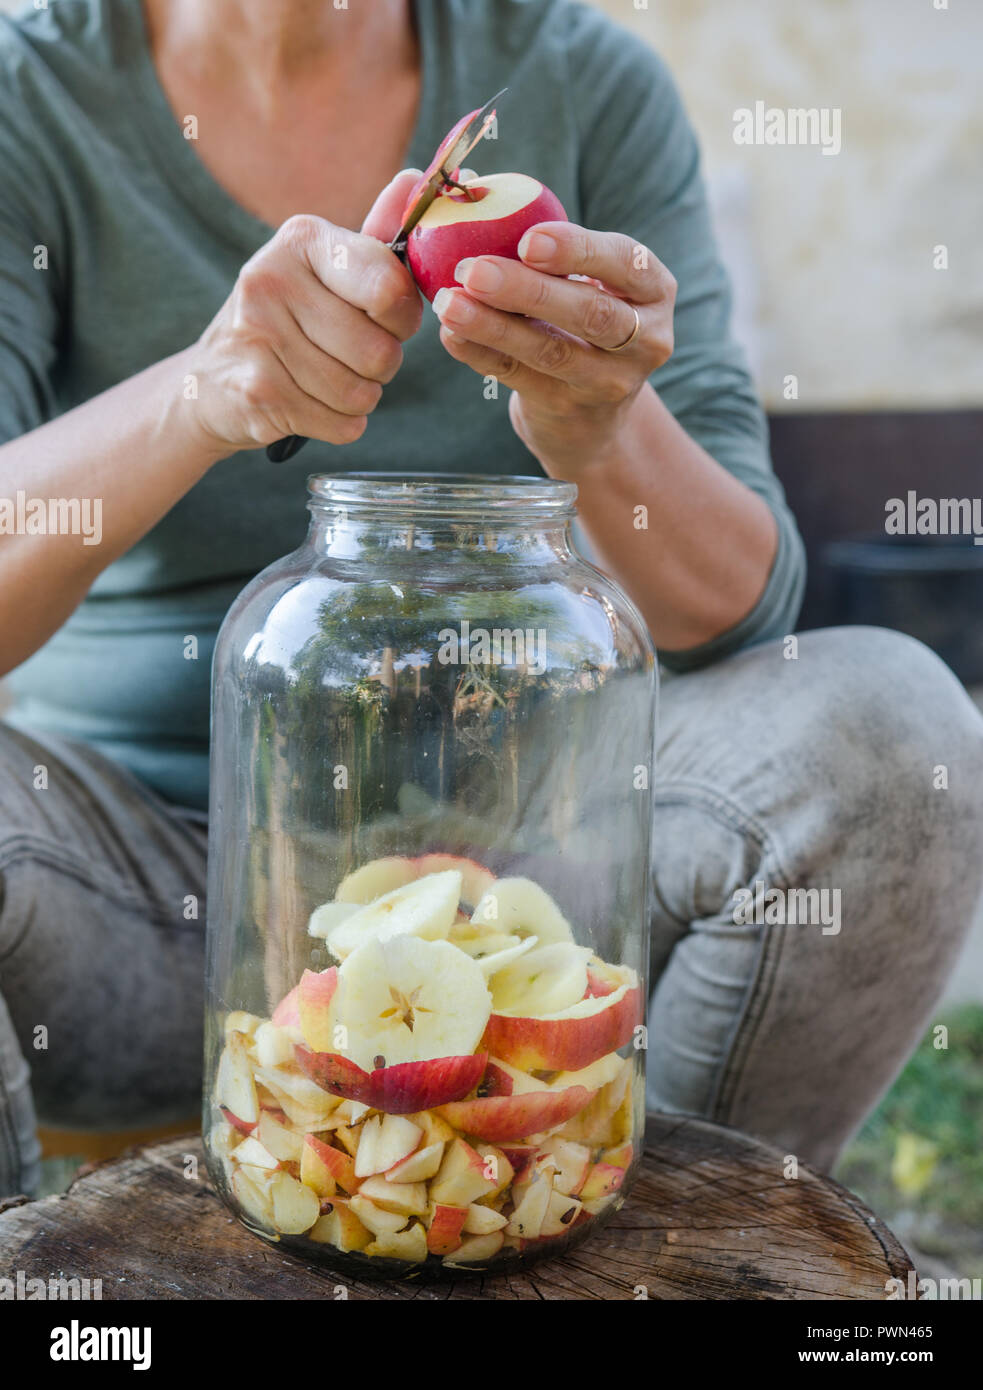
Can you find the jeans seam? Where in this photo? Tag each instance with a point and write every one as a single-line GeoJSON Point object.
{"type": "Point", "coordinates": [764, 971]}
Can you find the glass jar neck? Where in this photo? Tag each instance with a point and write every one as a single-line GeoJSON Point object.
{"type": "Point", "coordinates": [355, 515]}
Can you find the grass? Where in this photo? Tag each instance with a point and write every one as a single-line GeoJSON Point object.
{"type": "Point", "coordinates": [918, 1161]}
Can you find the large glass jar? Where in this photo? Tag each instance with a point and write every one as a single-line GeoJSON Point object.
{"type": "Point", "coordinates": [432, 733]}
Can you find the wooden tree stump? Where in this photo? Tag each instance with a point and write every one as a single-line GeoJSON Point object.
{"type": "Point", "coordinates": [711, 1216]}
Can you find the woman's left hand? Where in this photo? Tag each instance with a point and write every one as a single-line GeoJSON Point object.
{"type": "Point", "coordinates": [551, 339]}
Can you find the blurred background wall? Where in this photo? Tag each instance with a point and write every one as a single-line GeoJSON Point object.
{"type": "Point", "coordinates": [847, 296]}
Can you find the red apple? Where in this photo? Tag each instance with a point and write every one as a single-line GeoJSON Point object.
{"type": "Point", "coordinates": [497, 1118]}
{"type": "Point", "coordinates": [483, 217]}
{"type": "Point", "coordinates": [569, 1040]}
{"type": "Point", "coordinates": [397, 1090]}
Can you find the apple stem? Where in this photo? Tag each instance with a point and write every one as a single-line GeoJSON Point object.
{"type": "Point", "coordinates": [469, 193]}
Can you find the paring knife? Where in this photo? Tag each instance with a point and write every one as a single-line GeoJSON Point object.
{"type": "Point", "coordinates": [443, 169]}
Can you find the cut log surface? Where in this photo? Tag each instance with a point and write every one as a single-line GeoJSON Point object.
{"type": "Point", "coordinates": [711, 1216]}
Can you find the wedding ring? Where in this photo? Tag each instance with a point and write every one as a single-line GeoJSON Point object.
{"type": "Point", "coordinates": [631, 336]}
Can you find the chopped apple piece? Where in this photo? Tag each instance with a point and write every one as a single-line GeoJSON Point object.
{"type": "Point", "coordinates": [476, 1249]}
{"type": "Point", "coordinates": [481, 1221]}
{"type": "Point", "coordinates": [235, 1088]}
{"type": "Point", "coordinates": [292, 1086]}
{"type": "Point", "coordinates": [520, 907]}
{"type": "Point", "coordinates": [385, 1141]}
{"type": "Point", "coordinates": [435, 1130]}
{"type": "Point", "coordinates": [499, 1118]}
{"type": "Point", "coordinates": [374, 879]}
{"type": "Point", "coordinates": [573, 1163]}
{"type": "Point", "coordinates": [253, 1152]}
{"type": "Point", "coordinates": [283, 1143]}
{"type": "Point", "coordinates": [238, 1125]}
{"type": "Point", "coordinates": [603, 1179]}
{"type": "Point", "coordinates": [493, 952]}
{"type": "Point", "coordinates": [497, 1166]}
{"type": "Point", "coordinates": [295, 1206]}
{"type": "Point", "coordinates": [425, 908]}
{"type": "Point", "coordinates": [253, 1198]}
{"type": "Point", "coordinates": [410, 1244]}
{"type": "Point", "coordinates": [520, 1156]}
{"type": "Point", "coordinates": [598, 1074]}
{"type": "Point", "coordinates": [322, 1167]}
{"type": "Point", "coordinates": [595, 1205]}
{"type": "Point", "coordinates": [408, 1198]}
{"type": "Point", "coordinates": [619, 1157]}
{"type": "Point", "coordinates": [274, 1046]}
{"type": "Point", "coordinates": [569, 1039]}
{"type": "Point", "coordinates": [462, 1178]}
{"type": "Point", "coordinates": [543, 981]}
{"type": "Point", "coordinates": [377, 1220]}
{"type": "Point", "coordinates": [609, 1118]}
{"type": "Point", "coordinates": [348, 1138]}
{"type": "Point", "coordinates": [446, 1224]}
{"type": "Point", "coordinates": [421, 1165]}
{"type": "Point", "coordinates": [475, 878]}
{"type": "Point", "coordinates": [341, 1227]}
{"type": "Point", "coordinates": [561, 1212]}
{"type": "Point", "coordinates": [317, 1023]}
{"type": "Point", "coordinates": [239, 1021]}
{"type": "Point", "coordinates": [529, 1215]}
{"type": "Point", "coordinates": [286, 1015]}
{"type": "Point", "coordinates": [325, 918]}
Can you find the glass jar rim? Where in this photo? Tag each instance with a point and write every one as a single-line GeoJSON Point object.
{"type": "Point", "coordinates": [447, 494]}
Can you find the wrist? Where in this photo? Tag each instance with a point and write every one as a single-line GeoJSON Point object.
{"type": "Point", "coordinates": [181, 419]}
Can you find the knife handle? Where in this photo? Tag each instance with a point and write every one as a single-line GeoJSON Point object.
{"type": "Point", "coordinates": [283, 449]}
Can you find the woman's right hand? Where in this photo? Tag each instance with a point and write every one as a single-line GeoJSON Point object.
{"type": "Point", "coordinates": [310, 333]}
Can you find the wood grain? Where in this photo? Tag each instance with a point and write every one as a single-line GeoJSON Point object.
{"type": "Point", "coordinates": [711, 1217]}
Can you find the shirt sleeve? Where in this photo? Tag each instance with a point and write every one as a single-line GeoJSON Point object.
{"type": "Point", "coordinates": [640, 174]}
{"type": "Point", "coordinates": [31, 263]}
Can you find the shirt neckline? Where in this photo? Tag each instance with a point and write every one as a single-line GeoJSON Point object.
{"type": "Point", "coordinates": [191, 178]}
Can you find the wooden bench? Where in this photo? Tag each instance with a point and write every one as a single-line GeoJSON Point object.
{"type": "Point", "coordinates": [711, 1216]}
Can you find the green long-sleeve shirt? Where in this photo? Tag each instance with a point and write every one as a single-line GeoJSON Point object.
{"type": "Point", "coordinates": [142, 246]}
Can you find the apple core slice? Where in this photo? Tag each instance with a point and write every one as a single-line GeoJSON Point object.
{"type": "Point", "coordinates": [519, 907]}
{"type": "Point", "coordinates": [543, 981]}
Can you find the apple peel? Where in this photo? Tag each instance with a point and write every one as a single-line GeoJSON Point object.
{"type": "Point", "coordinates": [398, 1090]}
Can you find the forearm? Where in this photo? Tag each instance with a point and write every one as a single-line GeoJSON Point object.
{"type": "Point", "coordinates": [133, 451]}
{"type": "Point", "coordinates": [696, 560]}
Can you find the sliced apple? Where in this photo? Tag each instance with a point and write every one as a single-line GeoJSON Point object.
{"type": "Point", "coordinates": [407, 1198]}
{"type": "Point", "coordinates": [254, 1200]}
{"type": "Point", "coordinates": [324, 1168]}
{"type": "Point", "coordinates": [376, 1219]}
{"type": "Point", "coordinates": [500, 1079]}
{"type": "Point", "coordinates": [603, 1179]}
{"type": "Point", "coordinates": [475, 878]}
{"type": "Point", "coordinates": [542, 981]}
{"type": "Point", "coordinates": [573, 1163]}
{"type": "Point", "coordinates": [222, 1140]}
{"type": "Point", "coordinates": [258, 1155]}
{"type": "Point", "coordinates": [462, 1178]}
{"type": "Point", "coordinates": [240, 1125]}
{"type": "Point", "coordinates": [446, 1224]}
{"type": "Point", "coordinates": [285, 1015]}
{"type": "Point", "coordinates": [298, 1096]}
{"type": "Point", "coordinates": [477, 1249]}
{"type": "Point", "coordinates": [500, 1118]}
{"type": "Point", "coordinates": [598, 1074]}
{"type": "Point", "coordinates": [385, 1141]}
{"type": "Point", "coordinates": [569, 1039]}
{"type": "Point", "coordinates": [235, 1089]}
{"type": "Point", "coordinates": [315, 993]}
{"type": "Point", "coordinates": [493, 951]}
{"type": "Point", "coordinates": [619, 1157]}
{"type": "Point", "coordinates": [425, 909]}
{"type": "Point", "coordinates": [423, 1164]}
{"type": "Point", "coordinates": [274, 1046]}
{"type": "Point", "coordinates": [374, 879]}
{"type": "Point", "coordinates": [520, 1156]}
{"type": "Point", "coordinates": [609, 1119]}
{"type": "Point", "coordinates": [435, 1130]}
{"type": "Point", "coordinates": [239, 1021]}
{"type": "Point", "coordinates": [325, 918]}
{"type": "Point", "coordinates": [562, 1211]}
{"type": "Point", "coordinates": [410, 1245]}
{"type": "Point", "coordinates": [340, 1227]}
{"type": "Point", "coordinates": [400, 1090]}
{"type": "Point", "coordinates": [530, 1213]}
{"type": "Point", "coordinates": [295, 1206]}
{"type": "Point", "coordinates": [497, 1168]}
{"type": "Point", "coordinates": [481, 1221]}
{"type": "Point", "coordinates": [282, 1142]}
{"type": "Point", "coordinates": [519, 907]}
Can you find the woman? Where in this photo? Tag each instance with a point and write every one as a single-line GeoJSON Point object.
{"type": "Point", "coordinates": [156, 332]}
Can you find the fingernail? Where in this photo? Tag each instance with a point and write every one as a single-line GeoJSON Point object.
{"type": "Point", "coordinates": [416, 172]}
{"type": "Point", "coordinates": [448, 305]}
{"type": "Point", "coordinates": [483, 276]}
{"type": "Point", "coordinates": [537, 246]}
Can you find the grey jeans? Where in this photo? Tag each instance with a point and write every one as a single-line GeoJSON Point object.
{"type": "Point", "coordinates": [815, 782]}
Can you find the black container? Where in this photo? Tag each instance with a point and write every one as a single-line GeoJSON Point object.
{"type": "Point", "coordinates": [928, 586]}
